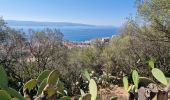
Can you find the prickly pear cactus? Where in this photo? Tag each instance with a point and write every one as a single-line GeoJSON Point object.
{"type": "Point", "coordinates": [53, 77]}
{"type": "Point", "coordinates": [3, 78]}
{"type": "Point", "coordinates": [4, 85]}
{"type": "Point", "coordinates": [30, 84]}
{"type": "Point", "coordinates": [86, 74]}
{"type": "Point", "coordinates": [42, 86]}
{"type": "Point", "coordinates": [4, 95]}
{"type": "Point", "coordinates": [93, 89]}
{"type": "Point", "coordinates": [151, 63]}
{"type": "Point", "coordinates": [60, 87]}
{"type": "Point", "coordinates": [159, 75]}
{"type": "Point", "coordinates": [125, 83]}
{"type": "Point", "coordinates": [131, 88]}
{"type": "Point", "coordinates": [14, 93]}
{"type": "Point", "coordinates": [135, 78]}
{"type": "Point", "coordinates": [50, 90]}
{"type": "Point", "coordinates": [43, 75]}
{"type": "Point", "coordinates": [48, 84]}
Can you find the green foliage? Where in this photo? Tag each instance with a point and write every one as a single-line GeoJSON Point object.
{"type": "Point", "coordinates": [49, 85]}
{"type": "Point", "coordinates": [60, 87]}
{"type": "Point", "coordinates": [7, 90]}
{"type": "Point", "coordinates": [86, 74]}
{"type": "Point", "coordinates": [159, 75]}
{"type": "Point", "coordinates": [14, 93]}
{"type": "Point", "coordinates": [151, 63]}
{"type": "Point", "coordinates": [125, 83]}
{"type": "Point", "coordinates": [131, 88]}
{"type": "Point", "coordinates": [43, 75]}
{"type": "Point", "coordinates": [135, 78]}
{"type": "Point", "coordinates": [92, 95]}
{"type": "Point", "coordinates": [30, 84]}
{"type": "Point", "coordinates": [50, 90]}
{"type": "Point", "coordinates": [42, 86]}
{"type": "Point", "coordinates": [4, 95]}
{"type": "Point", "coordinates": [168, 79]}
{"type": "Point", "coordinates": [52, 85]}
{"type": "Point", "coordinates": [53, 77]}
{"type": "Point", "coordinates": [144, 81]}
{"type": "Point", "coordinates": [93, 89]}
{"type": "Point", "coordinates": [3, 78]}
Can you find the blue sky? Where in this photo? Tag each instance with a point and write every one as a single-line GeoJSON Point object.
{"type": "Point", "coordinates": [96, 12]}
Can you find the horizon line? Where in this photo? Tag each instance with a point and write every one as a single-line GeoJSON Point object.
{"type": "Point", "coordinates": [38, 21]}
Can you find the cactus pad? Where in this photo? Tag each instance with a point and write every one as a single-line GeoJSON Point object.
{"type": "Point", "coordinates": [93, 89]}
{"type": "Point", "coordinates": [159, 75]}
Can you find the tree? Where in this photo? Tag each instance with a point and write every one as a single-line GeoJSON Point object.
{"type": "Point", "coordinates": [42, 50]}
{"type": "Point", "coordinates": [156, 13]}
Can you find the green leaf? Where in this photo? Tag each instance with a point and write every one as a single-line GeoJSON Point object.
{"type": "Point", "coordinates": [135, 78]}
{"type": "Point", "coordinates": [14, 93]}
{"type": "Point", "coordinates": [93, 89]}
{"type": "Point", "coordinates": [86, 74]}
{"type": "Point", "coordinates": [131, 88]}
{"type": "Point", "coordinates": [53, 77]}
{"type": "Point", "coordinates": [43, 75]}
{"type": "Point", "coordinates": [42, 86]}
{"type": "Point", "coordinates": [151, 63]}
{"type": "Point", "coordinates": [87, 97]}
{"type": "Point", "coordinates": [4, 95]}
{"type": "Point", "coordinates": [125, 83]}
{"type": "Point", "coordinates": [50, 90]}
{"type": "Point", "coordinates": [65, 98]}
{"type": "Point", "coordinates": [159, 75]}
{"type": "Point", "coordinates": [168, 79]}
{"type": "Point", "coordinates": [30, 84]}
{"type": "Point", "coordinates": [60, 87]}
{"type": "Point", "coordinates": [3, 78]}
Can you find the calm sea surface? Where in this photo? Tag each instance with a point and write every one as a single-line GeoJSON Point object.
{"type": "Point", "coordinates": [78, 33]}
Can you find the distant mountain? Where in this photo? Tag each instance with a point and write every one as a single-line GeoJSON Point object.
{"type": "Point", "coordinates": [34, 23]}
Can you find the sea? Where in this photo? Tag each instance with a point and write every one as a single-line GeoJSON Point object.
{"type": "Point", "coordinates": [78, 33]}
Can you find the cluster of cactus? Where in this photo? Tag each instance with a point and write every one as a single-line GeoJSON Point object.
{"type": "Point", "coordinates": [48, 84]}
{"type": "Point", "coordinates": [104, 80]}
{"type": "Point", "coordinates": [134, 90]}
{"type": "Point", "coordinates": [157, 73]}
{"type": "Point", "coordinates": [92, 86]}
{"type": "Point", "coordinates": [162, 93]}
{"type": "Point", "coordinates": [92, 95]}
{"type": "Point", "coordinates": [135, 78]}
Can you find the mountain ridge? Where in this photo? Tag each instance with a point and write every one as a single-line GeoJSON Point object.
{"type": "Point", "coordinates": [43, 23]}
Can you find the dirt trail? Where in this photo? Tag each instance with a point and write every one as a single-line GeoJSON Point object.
{"type": "Point", "coordinates": [107, 93]}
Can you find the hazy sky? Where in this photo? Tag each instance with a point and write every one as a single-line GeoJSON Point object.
{"type": "Point", "coordinates": [96, 12]}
